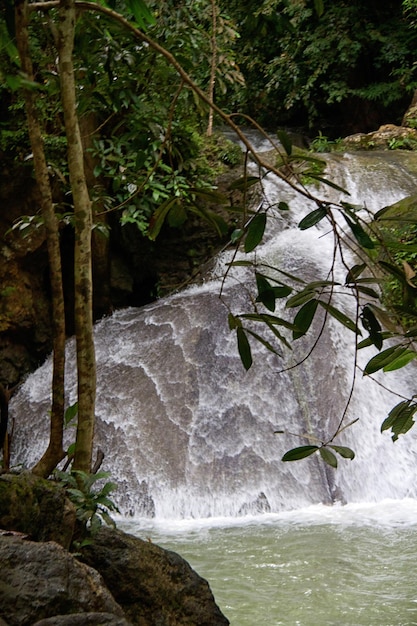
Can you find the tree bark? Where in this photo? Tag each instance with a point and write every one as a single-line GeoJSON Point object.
{"type": "Point", "coordinates": [212, 81]}
{"type": "Point", "coordinates": [54, 453]}
{"type": "Point", "coordinates": [86, 363]}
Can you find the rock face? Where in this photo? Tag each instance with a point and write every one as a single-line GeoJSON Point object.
{"type": "Point", "coordinates": [40, 580]}
{"type": "Point", "coordinates": [36, 507]}
{"type": "Point", "coordinates": [155, 587]}
{"type": "Point", "coordinates": [122, 579]}
{"type": "Point", "coordinates": [388, 136]}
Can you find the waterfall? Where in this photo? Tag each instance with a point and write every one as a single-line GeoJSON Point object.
{"type": "Point", "coordinates": [187, 432]}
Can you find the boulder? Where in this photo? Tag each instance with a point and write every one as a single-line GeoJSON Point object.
{"type": "Point", "coordinates": [83, 619]}
{"type": "Point", "coordinates": [386, 137]}
{"type": "Point", "coordinates": [36, 507]}
{"type": "Point", "coordinates": [42, 580]}
{"type": "Point", "coordinates": [155, 587]}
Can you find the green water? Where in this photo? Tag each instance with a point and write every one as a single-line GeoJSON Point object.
{"type": "Point", "coordinates": [321, 570]}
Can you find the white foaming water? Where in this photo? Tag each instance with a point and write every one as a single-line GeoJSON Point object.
{"type": "Point", "coordinates": [187, 433]}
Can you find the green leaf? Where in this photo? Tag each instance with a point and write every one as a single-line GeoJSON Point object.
{"type": "Point", "coordinates": [233, 321]}
{"type": "Point", "coordinates": [329, 183]}
{"type": "Point", "coordinates": [319, 7]}
{"type": "Point", "coordinates": [328, 457]}
{"type": "Point", "coordinates": [360, 235]}
{"type": "Point", "coordinates": [212, 218]}
{"type": "Point", "coordinates": [244, 183]}
{"type": "Point", "coordinates": [354, 273]}
{"type": "Point", "coordinates": [400, 419]}
{"type": "Point", "coordinates": [283, 206]}
{"type": "Point", "coordinates": [300, 298]}
{"type": "Point", "coordinates": [299, 453]}
{"type": "Point", "coordinates": [234, 237]}
{"type": "Point", "coordinates": [264, 342]}
{"type": "Point", "coordinates": [244, 348]}
{"type": "Point", "coordinates": [255, 232]}
{"type": "Point", "coordinates": [70, 413]}
{"type": "Point", "coordinates": [340, 317]}
{"type": "Point", "coordinates": [304, 318]}
{"type": "Point", "coordinates": [177, 215]}
{"type": "Point", "coordinates": [71, 450]}
{"type": "Point", "coordinates": [142, 14]}
{"type": "Point", "coordinates": [371, 324]}
{"type": "Point", "coordinates": [400, 361]}
{"type": "Point", "coordinates": [383, 358]}
{"type": "Point", "coordinates": [158, 218]}
{"type": "Point", "coordinates": [268, 319]}
{"type": "Point", "coordinates": [346, 453]}
{"type": "Point", "coordinates": [285, 141]}
{"type": "Point", "coordinates": [312, 218]}
{"type": "Point", "coordinates": [368, 291]}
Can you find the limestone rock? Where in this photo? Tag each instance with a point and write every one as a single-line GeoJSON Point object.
{"type": "Point", "coordinates": [387, 136]}
{"type": "Point", "coordinates": [83, 619]}
{"type": "Point", "coordinates": [37, 507]}
{"type": "Point", "coordinates": [41, 580]}
{"type": "Point", "coordinates": [155, 587]}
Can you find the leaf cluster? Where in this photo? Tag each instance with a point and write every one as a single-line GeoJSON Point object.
{"type": "Point", "coordinates": [92, 502]}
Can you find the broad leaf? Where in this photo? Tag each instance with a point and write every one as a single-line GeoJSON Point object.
{"type": "Point", "coordinates": [300, 298]}
{"type": "Point", "coordinates": [328, 182]}
{"type": "Point", "coordinates": [244, 348]}
{"type": "Point", "coordinates": [158, 217]}
{"type": "Point", "coordinates": [384, 358]}
{"type": "Point", "coordinates": [328, 457]}
{"type": "Point", "coordinates": [371, 324]}
{"type": "Point", "coordinates": [268, 319]}
{"type": "Point", "coordinates": [304, 318]}
{"type": "Point", "coordinates": [70, 413]}
{"type": "Point", "coordinates": [360, 235]}
{"type": "Point", "coordinates": [285, 141]}
{"type": "Point", "coordinates": [340, 317]}
{"type": "Point", "coordinates": [255, 232]}
{"type": "Point", "coordinates": [244, 183]}
{"type": "Point", "coordinates": [283, 206]}
{"type": "Point", "coordinates": [312, 218]}
{"type": "Point", "coordinates": [346, 453]}
{"type": "Point", "coordinates": [264, 342]}
{"type": "Point", "coordinates": [141, 13]}
{"type": "Point", "coordinates": [299, 453]}
{"type": "Point", "coordinates": [400, 361]}
{"type": "Point", "coordinates": [354, 273]}
{"type": "Point", "coordinates": [319, 7]}
{"type": "Point", "coordinates": [400, 419]}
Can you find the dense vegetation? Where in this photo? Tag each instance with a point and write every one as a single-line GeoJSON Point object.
{"type": "Point", "coordinates": [347, 68]}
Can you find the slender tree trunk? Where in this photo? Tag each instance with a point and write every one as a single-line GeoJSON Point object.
{"type": "Point", "coordinates": [54, 453]}
{"type": "Point", "coordinates": [212, 81]}
{"type": "Point", "coordinates": [86, 365]}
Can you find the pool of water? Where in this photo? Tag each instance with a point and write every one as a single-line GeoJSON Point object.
{"type": "Point", "coordinates": [353, 565]}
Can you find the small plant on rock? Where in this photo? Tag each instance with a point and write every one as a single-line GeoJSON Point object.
{"type": "Point", "coordinates": [93, 505]}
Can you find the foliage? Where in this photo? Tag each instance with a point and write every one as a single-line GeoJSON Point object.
{"type": "Point", "coordinates": [321, 143]}
{"type": "Point", "coordinates": [387, 248]}
{"type": "Point", "coordinates": [302, 64]}
{"type": "Point", "coordinates": [91, 501]}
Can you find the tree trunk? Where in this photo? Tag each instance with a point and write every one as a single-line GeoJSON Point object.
{"type": "Point", "coordinates": [212, 81]}
{"type": "Point", "coordinates": [86, 365]}
{"type": "Point", "coordinates": [54, 452]}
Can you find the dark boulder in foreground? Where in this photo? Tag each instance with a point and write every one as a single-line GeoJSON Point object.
{"type": "Point", "coordinates": [39, 580]}
{"type": "Point", "coordinates": [155, 587]}
{"type": "Point", "coordinates": [117, 580]}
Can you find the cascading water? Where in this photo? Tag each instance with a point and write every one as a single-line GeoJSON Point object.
{"type": "Point", "coordinates": [186, 432]}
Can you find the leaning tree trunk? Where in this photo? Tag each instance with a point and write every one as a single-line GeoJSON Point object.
{"type": "Point", "coordinates": [86, 364]}
{"type": "Point", "coordinates": [54, 452]}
